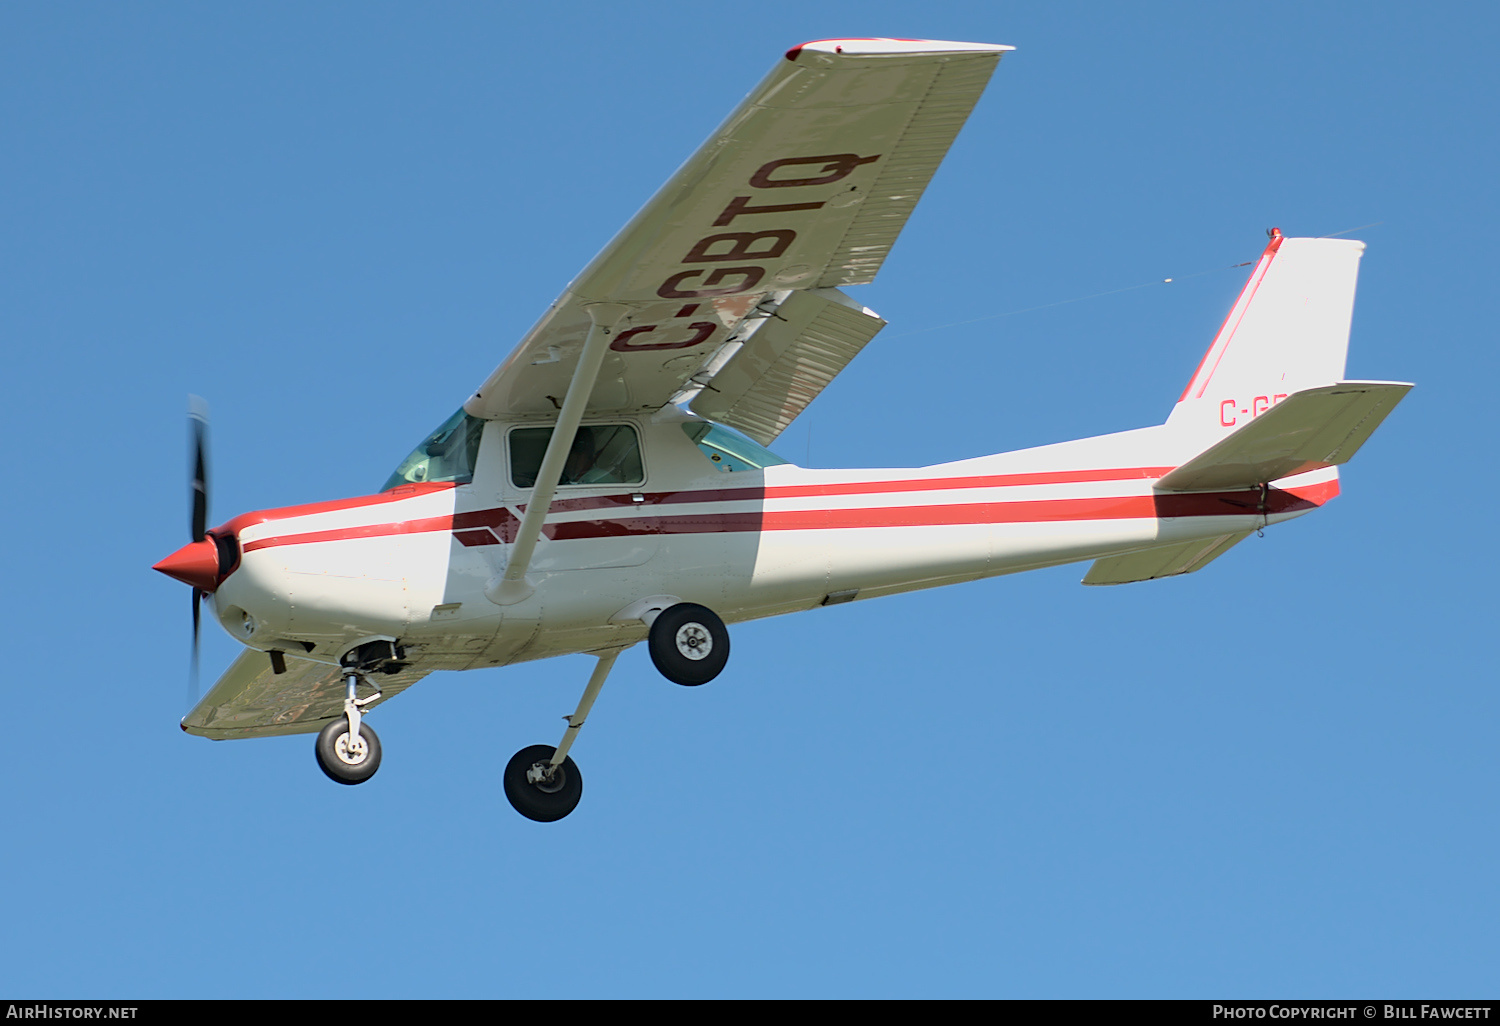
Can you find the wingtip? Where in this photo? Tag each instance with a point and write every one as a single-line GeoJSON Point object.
{"type": "Point", "coordinates": [882, 46]}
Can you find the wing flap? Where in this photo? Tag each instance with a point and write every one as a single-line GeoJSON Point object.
{"type": "Point", "coordinates": [1309, 430]}
{"type": "Point", "coordinates": [1162, 560]}
{"type": "Point", "coordinates": [251, 700]}
{"type": "Point", "coordinates": [787, 362]}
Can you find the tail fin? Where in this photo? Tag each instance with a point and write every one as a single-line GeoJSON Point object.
{"type": "Point", "coordinates": [1268, 401]}
{"type": "Point", "coordinates": [1287, 332]}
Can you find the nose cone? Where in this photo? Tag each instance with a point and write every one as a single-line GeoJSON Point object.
{"type": "Point", "coordinates": [196, 563]}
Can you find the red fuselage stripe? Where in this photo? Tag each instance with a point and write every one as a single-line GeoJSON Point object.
{"type": "Point", "coordinates": [265, 516]}
{"type": "Point", "coordinates": [921, 484]}
{"type": "Point", "coordinates": [476, 528]}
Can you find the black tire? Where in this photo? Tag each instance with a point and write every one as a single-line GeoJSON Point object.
{"type": "Point", "coordinates": [689, 644]}
{"type": "Point", "coordinates": [543, 803]}
{"type": "Point", "coordinates": [339, 768]}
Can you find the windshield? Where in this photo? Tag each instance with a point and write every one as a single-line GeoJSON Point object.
{"type": "Point", "coordinates": [729, 450]}
{"type": "Point", "coordinates": [448, 454]}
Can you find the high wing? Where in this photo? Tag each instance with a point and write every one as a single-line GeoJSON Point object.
{"type": "Point", "coordinates": [803, 189]}
{"type": "Point", "coordinates": [252, 700]}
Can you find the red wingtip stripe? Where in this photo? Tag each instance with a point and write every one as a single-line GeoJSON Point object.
{"type": "Point", "coordinates": [791, 54]}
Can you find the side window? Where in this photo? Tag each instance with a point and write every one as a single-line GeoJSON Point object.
{"type": "Point", "coordinates": [729, 450]}
{"type": "Point", "coordinates": [601, 454]}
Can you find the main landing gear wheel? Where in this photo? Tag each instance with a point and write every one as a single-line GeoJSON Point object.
{"type": "Point", "coordinates": [688, 643]}
{"type": "Point", "coordinates": [344, 762]}
{"type": "Point", "coordinates": [533, 794]}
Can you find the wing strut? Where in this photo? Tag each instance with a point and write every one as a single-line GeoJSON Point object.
{"type": "Point", "coordinates": [603, 317]}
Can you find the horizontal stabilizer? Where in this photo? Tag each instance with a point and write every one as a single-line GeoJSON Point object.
{"type": "Point", "coordinates": [1162, 561]}
{"type": "Point", "coordinates": [1309, 430]}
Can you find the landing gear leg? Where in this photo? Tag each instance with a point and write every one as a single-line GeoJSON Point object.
{"type": "Point", "coordinates": [347, 749]}
{"type": "Point", "coordinates": [542, 783]}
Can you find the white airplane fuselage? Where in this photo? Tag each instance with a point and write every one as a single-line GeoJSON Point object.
{"type": "Point", "coordinates": [419, 564]}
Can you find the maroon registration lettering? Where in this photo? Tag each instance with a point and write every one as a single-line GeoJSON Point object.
{"type": "Point", "coordinates": [740, 246]}
{"type": "Point", "coordinates": [713, 285]}
{"type": "Point", "coordinates": [623, 343]}
{"type": "Point", "coordinates": [741, 205]}
{"type": "Point", "coordinates": [833, 166]}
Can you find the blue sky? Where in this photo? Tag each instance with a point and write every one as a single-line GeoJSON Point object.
{"type": "Point", "coordinates": [1277, 777]}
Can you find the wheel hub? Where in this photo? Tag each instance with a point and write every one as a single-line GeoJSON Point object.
{"type": "Point", "coordinates": [694, 641]}
{"type": "Point", "coordinates": [350, 754]}
{"type": "Point", "coordinates": [544, 778]}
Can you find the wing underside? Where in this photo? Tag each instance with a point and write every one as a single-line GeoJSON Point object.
{"type": "Point", "coordinates": [804, 187]}
{"type": "Point", "coordinates": [252, 700]}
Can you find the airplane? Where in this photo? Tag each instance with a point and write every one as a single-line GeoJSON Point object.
{"type": "Point", "coordinates": [611, 482]}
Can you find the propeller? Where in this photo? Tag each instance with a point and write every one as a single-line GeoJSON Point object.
{"type": "Point", "coordinates": [198, 427]}
{"type": "Point", "coordinates": [205, 561]}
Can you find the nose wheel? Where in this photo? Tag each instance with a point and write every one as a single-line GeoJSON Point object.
{"type": "Point", "coordinates": [347, 749]}
{"type": "Point", "coordinates": [344, 757]}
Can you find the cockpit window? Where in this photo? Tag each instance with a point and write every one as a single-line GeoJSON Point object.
{"type": "Point", "coordinates": [729, 450]}
{"type": "Point", "coordinates": [448, 454]}
{"type": "Point", "coordinates": [601, 454]}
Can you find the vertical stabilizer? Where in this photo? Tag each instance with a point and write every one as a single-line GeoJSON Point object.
{"type": "Point", "coordinates": [1288, 331]}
